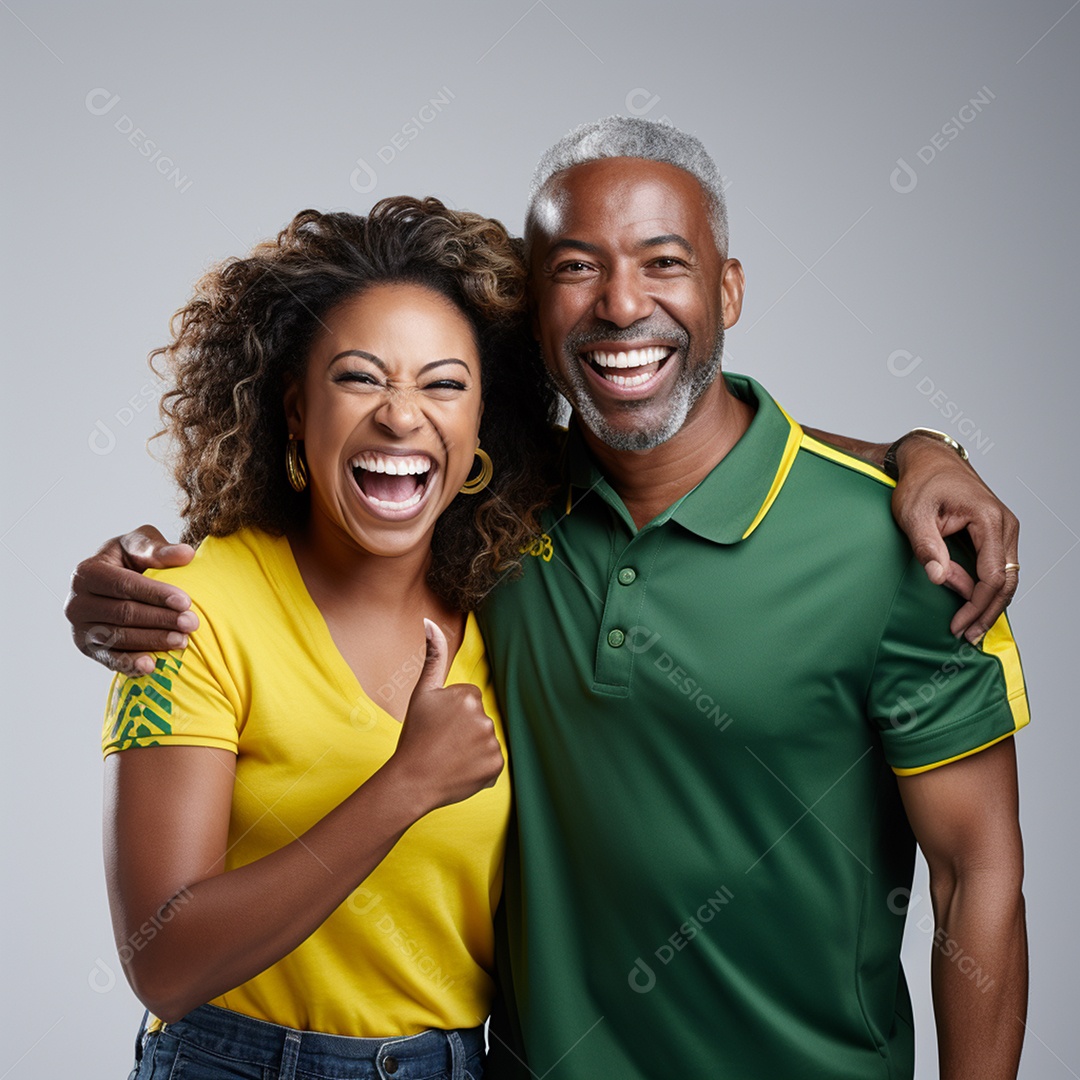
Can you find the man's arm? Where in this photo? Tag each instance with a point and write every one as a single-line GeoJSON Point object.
{"type": "Point", "coordinates": [965, 818]}
{"type": "Point", "coordinates": [118, 617]}
{"type": "Point", "coordinates": [939, 494]}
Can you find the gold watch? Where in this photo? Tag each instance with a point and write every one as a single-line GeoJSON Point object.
{"type": "Point", "coordinates": [889, 464]}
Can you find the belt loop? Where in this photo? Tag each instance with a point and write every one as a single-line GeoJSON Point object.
{"type": "Point", "coordinates": [140, 1040]}
{"type": "Point", "coordinates": [289, 1056]}
{"type": "Point", "coordinates": [457, 1056]}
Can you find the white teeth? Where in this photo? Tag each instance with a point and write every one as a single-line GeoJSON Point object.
{"type": "Point", "coordinates": [629, 380]}
{"type": "Point", "coordinates": [394, 465]}
{"type": "Point", "coordinates": [630, 358]}
{"type": "Point", "coordinates": [385, 504]}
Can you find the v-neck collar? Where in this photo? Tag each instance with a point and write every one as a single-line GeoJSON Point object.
{"type": "Point", "coordinates": [290, 583]}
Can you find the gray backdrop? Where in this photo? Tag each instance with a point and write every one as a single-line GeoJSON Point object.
{"type": "Point", "coordinates": [901, 183]}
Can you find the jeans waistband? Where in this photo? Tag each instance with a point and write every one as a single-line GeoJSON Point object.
{"type": "Point", "coordinates": [232, 1034]}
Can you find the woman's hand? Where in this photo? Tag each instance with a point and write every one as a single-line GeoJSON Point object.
{"type": "Point", "coordinates": [447, 750]}
{"type": "Point", "coordinates": [938, 495]}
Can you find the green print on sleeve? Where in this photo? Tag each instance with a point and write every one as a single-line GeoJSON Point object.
{"type": "Point", "coordinates": [143, 704]}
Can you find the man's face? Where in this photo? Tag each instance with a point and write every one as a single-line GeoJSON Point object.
{"type": "Point", "coordinates": [629, 293]}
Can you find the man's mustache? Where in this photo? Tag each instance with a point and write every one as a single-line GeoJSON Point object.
{"type": "Point", "coordinates": [656, 330]}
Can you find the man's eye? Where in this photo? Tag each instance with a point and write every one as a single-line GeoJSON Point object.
{"type": "Point", "coordinates": [667, 262]}
{"type": "Point", "coordinates": [575, 267]}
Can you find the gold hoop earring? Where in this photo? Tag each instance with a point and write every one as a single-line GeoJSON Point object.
{"type": "Point", "coordinates": [483, 478]}
{"type": "Point", "coordinates": [294, 465]}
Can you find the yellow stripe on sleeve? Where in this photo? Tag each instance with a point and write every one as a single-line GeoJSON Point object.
{"type": "Point", "coordinates": [1000, 644]}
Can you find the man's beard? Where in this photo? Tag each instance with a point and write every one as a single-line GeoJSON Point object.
{"type": "Point", "coordinates": [690, 383]}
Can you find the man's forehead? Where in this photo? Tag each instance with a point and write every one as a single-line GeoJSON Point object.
{"type": "Point", "coordinates": [630, 192]}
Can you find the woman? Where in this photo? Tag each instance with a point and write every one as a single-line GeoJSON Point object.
{"type": "Point", "coordinates": [304, 868]}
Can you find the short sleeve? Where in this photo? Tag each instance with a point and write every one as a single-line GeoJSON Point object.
{"type": "Point", "coordinates": [935, 699]}
{"type": "Point", "coordinates": [185, 701]}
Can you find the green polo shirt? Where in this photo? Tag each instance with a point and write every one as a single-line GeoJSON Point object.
{"type": "Point", "coordinates": [705, 717]}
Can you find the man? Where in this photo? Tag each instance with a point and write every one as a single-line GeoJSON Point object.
{"type": "Point", "coordinates": [730, 688]}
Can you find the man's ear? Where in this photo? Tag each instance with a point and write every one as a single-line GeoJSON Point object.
{"type": "Point", "coordinates": [294, 407]}
{"type": "Point", "coordinates": [732, 288]}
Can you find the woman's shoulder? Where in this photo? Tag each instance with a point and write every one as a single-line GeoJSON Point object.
{"type": "Point", "coordinates": [237, 567]}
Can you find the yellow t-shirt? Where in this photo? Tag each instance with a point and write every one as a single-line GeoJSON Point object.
{"type": "Point", "coordinates": [411, 948]}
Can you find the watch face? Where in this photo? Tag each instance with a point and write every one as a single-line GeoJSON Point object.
{"type": "Point", "coordinates": [889, 465]}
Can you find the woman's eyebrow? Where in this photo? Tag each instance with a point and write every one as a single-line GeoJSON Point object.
{"type": "Point", "coordinates": [448, 360]}
{"type": "Point", "coordinates": [382, 367]}
{"type": "Point", "coordinates": [360, 352]}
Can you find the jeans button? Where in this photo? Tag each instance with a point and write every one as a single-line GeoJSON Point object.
{"type": "Point", "coordinates": [390, 1065]}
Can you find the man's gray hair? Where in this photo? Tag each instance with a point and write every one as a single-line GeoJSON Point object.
{"type": "Point", "coordinates": [635, 137]}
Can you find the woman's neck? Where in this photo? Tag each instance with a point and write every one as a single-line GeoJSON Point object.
{"type": "Point", "coordinates": [340, 575]}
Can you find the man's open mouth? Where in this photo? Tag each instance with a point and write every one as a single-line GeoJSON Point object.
{"type": "Point", "coordinates": [392, 484]}
{"type": "Point", "coordinates": [628, 368]}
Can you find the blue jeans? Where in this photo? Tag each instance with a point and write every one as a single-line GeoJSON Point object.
{"type": "Point", "coordinates": [217, 1044]}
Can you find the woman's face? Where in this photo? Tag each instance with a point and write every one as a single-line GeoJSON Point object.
{"type": "Point", "coordinates": [389, 412]}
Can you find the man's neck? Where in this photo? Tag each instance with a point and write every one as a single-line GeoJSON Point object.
{"type": "Point", "coordinates": [649, 481]}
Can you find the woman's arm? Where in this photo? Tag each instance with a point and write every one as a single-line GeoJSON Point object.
{"type": "Point", "coordinates": [187, 929]}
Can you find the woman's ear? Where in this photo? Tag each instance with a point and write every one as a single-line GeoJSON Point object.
{"type": "Point", "coordinates": [294, 408]}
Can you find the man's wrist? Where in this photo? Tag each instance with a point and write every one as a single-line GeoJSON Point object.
{"type": "Point", "coordinates": [891, 461]}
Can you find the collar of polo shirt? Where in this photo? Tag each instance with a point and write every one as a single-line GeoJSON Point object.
{"type": "Point", "coordinates": [733, 499]}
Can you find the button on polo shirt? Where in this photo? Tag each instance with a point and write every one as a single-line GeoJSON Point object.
{"type": "Point", "coordinates": [710, 828]}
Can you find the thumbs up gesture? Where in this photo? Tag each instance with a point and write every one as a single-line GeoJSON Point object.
{"type": "Point", "coordinates": [447, 749]}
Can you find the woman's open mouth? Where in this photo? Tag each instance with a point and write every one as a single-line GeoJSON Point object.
{"type": "Point", "coordinates": [628, 372]}
{"type": "Point", "coordinates": [392, 486]}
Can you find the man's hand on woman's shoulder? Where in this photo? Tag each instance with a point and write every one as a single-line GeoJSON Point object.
{"type": "Point", "coordinates": [118, 616]}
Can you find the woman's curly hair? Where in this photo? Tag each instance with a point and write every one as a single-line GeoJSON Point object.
{"type": "Point", "coordinates": [246, 333]}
